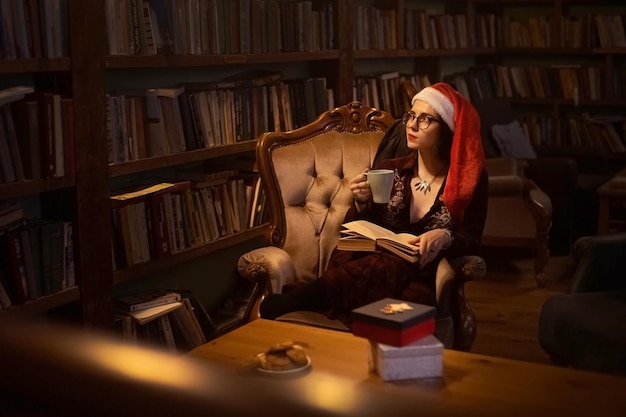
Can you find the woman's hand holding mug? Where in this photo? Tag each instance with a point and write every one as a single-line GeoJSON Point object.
{"type": "Point", "coordinates": [360, 188]}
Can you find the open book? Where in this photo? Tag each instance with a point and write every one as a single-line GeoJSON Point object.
{"type": "Point", "coordinates": [362, 235]}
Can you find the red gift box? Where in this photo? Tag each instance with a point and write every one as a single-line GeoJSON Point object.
{"type": "Point", "coordinates": [376, 322]}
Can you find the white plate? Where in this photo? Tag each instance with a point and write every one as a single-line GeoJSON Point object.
{"type": "Point", "coordinates": [286, 371]}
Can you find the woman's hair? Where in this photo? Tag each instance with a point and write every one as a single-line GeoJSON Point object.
{"type": "Point", "coordinates": [444, 144]}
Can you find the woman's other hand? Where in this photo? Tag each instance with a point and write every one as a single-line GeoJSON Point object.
{"type": "Point", "coordinates": [360, 188]}
{"type": "Point", "coordinates": [431, 243]}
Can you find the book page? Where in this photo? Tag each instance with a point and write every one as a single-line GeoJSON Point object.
{"type": "Point", "coordinates": [400, 250]}
{"type": "Point", "coordinates": [376, 232]}
{"type": "Point", "coordinates": [369, 229]}
{"type": "Point", "coordinates": [402, 240]}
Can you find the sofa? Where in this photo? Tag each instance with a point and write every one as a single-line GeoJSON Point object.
{"type": "Point", "coordinates": [586, 327]}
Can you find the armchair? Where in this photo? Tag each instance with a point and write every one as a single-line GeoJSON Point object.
{"type": "Point", "coordinates": [305, 173]}
{"type": "Point", "coordinates": [519, 213]}
{"type": "Point", "coordinates": [584, 328]}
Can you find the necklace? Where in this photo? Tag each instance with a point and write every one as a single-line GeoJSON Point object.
{"type": "Point", "coordinates": [423, 185]}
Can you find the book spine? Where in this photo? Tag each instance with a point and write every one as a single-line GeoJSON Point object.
{"type": "Point", "coordinates": [18, 265]}
{"type": "Point", "coordinates": [168, 334]}
{"type": "Point", "coordinates": [197, 332]}
{"type": "Point", "coordinates": [160, 232]}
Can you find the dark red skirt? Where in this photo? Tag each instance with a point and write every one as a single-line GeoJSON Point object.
{"type": "Point", "coordinates": [354, 279]}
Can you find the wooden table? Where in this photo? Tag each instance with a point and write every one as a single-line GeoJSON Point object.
{"type": "Point", "coordinates": [472, 384]}
{"type": "Point", "coordinates": [610, 193]}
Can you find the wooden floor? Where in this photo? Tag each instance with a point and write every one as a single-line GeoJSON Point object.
{"type": "Point", "coordinates": [507, 303]}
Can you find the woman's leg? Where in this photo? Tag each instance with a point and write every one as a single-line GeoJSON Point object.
{"type": "Point", "coordinates": [309, 296]}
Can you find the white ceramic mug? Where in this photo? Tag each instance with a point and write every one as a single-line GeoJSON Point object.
{"type": "Point", "coordinates": [381, 182]}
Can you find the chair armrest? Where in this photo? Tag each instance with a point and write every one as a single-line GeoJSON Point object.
{"type": "Point", "coordinates": [469, 268]}
{"type": "Point", "coordinates": [463, 269]}
{"type": "Point", "coordinates": [600, 263]}
{"type": "Point", "coordinates": [270, 264]}
{"type": "Point", "coordinates": [505, 176]}
{"type": "Point", "coordinates": [502, 185]}
{"type": "Point", "coordinates": [542, 202]}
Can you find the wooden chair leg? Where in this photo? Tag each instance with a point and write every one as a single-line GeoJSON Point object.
{"type": "Point", "coordinates": [541, 260]}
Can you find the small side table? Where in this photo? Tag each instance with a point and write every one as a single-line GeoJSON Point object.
{"type": "Point", "coordinates": [610, 194]}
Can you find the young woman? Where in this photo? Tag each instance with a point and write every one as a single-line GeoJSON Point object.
{"type": "Point", "coordinates": [439, 195]}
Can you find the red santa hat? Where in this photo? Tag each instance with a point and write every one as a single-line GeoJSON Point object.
{"type": "Point", "coordinates": [466, 157]}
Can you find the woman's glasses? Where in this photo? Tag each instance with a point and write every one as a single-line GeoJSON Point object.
{"type": "Point", "coordinates": [423, 120]}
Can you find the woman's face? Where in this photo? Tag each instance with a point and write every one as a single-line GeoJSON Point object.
{"type": "Point", "coordinates": [422, 132]}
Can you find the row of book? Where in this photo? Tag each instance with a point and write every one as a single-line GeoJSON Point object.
{"type": "Point", "coordinates": [573, 82]}
{"type": "Point", "coordinates": [582, 31]}
{"type": "Point", "coordinates": [584, 130]}
{"type": "Point", "coordinates": [602, 132]}
{"type": "Point", "coordinates": [37, 256]}
{"type": "Point", "coordinates": [168, 218]}
{"type": "Point", "coordinates": [172, 320]}
{"type": "Point", "coordinates": [389, 91]}
{"type": "Point", "coordinates": [579, 31]}
{"type": "Point", "coordinates": [433, 31]}
{"type": "Point", "coordinates": [376, 29]}
{"type": "Point", "coordinates": [196, 27]}
{"type": "Point", "coordinates": [190, 116]}
{"type": "Point", "coordinates": [36, 135]}
{"type": "Point", "coordinates": [33, 29]}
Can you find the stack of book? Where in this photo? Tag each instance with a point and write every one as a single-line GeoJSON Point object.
{"type": "Point", "coordinates": [173, 320]}
{"type": "Point", "coordinates": [402, 340]}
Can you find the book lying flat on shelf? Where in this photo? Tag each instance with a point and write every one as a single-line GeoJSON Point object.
{"type": "Point", "coordinates": [147, 299]}
{"type": "Point", "coordinates": [362, 235]}
{"type": "Point", "coordinates": [148, 314]}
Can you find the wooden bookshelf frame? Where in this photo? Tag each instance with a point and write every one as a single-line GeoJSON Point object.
{"type": "Point", "coordinates": [34, 65]}
{"type": "Point", "coordinates": [159, 264]}
{"type": "Point", "coordinates": [31, 187]}
{"type": "Point", "coordinates": [43, 304]}
{"type": "Point", "coordinates": [181, 158]}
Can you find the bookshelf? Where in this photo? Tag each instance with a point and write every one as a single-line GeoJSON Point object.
{"type": "Point", "coordinates": [88, 189]}
{"type": "Point", "coordinates": [562, 64]}
{"type": "Point", "coordinates": [482, 45]}
{"type": "Point", "coordinates": [84, 195]}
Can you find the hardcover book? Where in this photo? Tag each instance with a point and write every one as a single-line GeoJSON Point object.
{"type": "Point", "coordinates": [362, 235]}
{"type": "Point", "coordinates": [146, 315]}
{"type": "Point", "coordinates": [143, 300]}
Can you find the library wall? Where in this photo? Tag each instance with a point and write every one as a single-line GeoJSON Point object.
{"type": "Point", "coordinates": [345, 49]}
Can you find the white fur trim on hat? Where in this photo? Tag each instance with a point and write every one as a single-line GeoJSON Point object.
{"type": "Point", "coordinates": [442, 104]}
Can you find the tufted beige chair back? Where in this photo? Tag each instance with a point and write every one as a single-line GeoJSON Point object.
{"type": "Point", "coordinates": [306, 174]}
